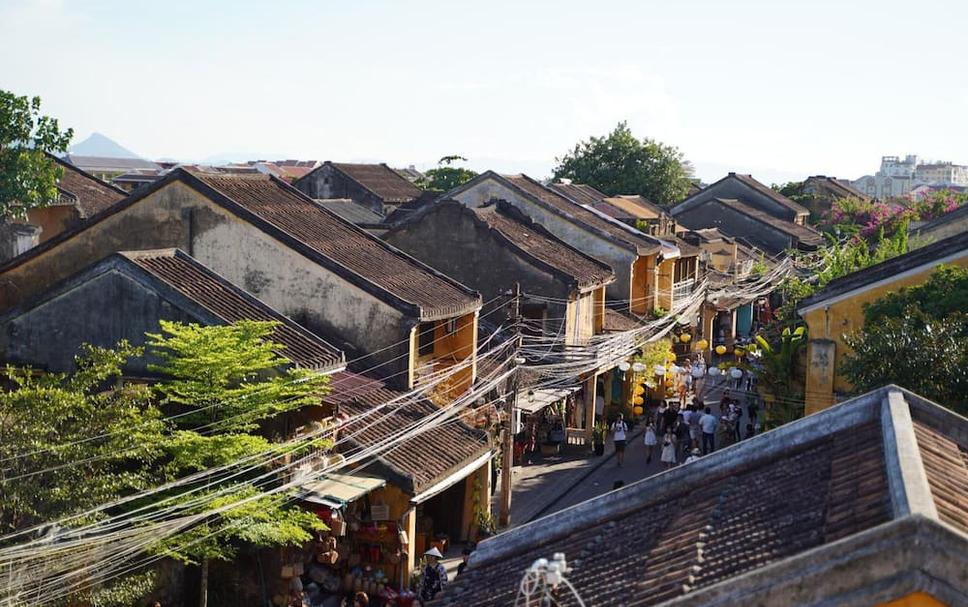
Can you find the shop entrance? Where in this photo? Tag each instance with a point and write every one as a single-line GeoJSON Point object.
{"type": "Point", "coordinates": [441, 517]}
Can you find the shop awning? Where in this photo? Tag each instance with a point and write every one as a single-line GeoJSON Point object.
{"type": "Point", "coordinates": [529, 402]}
{"type": "Point", "coordinates": [337, 490]}
{"type": "Point", "coordinates": [451, 480]}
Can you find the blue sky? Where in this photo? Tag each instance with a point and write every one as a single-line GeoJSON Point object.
{"type": "Point", "coordinates": [781, 89]}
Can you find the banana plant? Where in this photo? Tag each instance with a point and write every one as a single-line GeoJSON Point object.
{"type": "Point", "coordinates": [782, 393]}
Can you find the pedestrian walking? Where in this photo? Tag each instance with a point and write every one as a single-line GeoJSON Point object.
{"type": "Point", "coordinates": [434, 575]}
{"type": "Point", "coordinates": [650, 441]}
{"type": "Point", "coordinates": [708, 423]}
{"type": "Point", "coordinates": [619, 428]}
{"type": "Point", "coordinates": [668, 456]}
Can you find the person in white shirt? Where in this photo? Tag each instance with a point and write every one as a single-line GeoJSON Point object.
{"type": "Point", "coordinates": [619, 428]}
{"type": "Point", "coordinates": [650, 442]}
{"type": "Point", "coordinates": [708, 423]}
{"type": "Point", "coordinates": [696, 454]}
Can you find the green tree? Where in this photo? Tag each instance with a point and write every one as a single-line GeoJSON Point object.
{"type": "Point", "coordinates": [28, 178]}
{"type": "Point", "coordinates": [777, 376]}
{"type": "Point", "coordinates": [228, 379]}
{"type": "Point", "coordinates": [69, 442]}
{"type": "Point", "coordinates": [916, 337]}
{"type": "Point", "coordinates": [619, 163]}
{"type": "Point", "coordinates": [446, 177]}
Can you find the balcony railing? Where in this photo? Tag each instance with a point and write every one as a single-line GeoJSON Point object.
{"type": "Point", "coordinates": [683, 289]}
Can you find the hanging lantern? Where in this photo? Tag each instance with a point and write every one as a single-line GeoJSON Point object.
{"type": "Point", "coordinates": [639, 390]}
{"type": "Point", "coordinates": [736, 373]}
{"type": "Point", "coordinates": [670, 355]}
{"type": "Point", "coordinates": [685, 338]}
{"type": "Point", "coordinates": [668, 383]}
{"type": "Point", "coordinates": [638, 410]}
{"type": "Point", "coordinates": [638, 367]}
{"type": "Point", "coordinates": [637, 401]}
{"type": "Point", "coordinates": [720, 349]}
{"type": "Point", "coordinates": [697, 372]}
{"type": "Point", "coordinates": [713, 371]}
{"type": "Point", "coordinates": [624, 366]}
{"type": "Point", "coordinates": [659, 370]}
{"type": "Point", "coordinates": [739, 352]}
{"type": "Point", "coordinates": [702, 344]}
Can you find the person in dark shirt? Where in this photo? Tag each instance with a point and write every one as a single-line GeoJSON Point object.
{"type": "Point", "coordinates": [466, 554]}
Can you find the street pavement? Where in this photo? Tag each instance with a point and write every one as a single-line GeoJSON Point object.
{"type": "Point", "coordinates": [556, 483]}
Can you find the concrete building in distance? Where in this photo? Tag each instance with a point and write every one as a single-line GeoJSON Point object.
{"type": "Point", "coordinates": [838, 310]}
{"type": "Point", "coordinates": [897, 177]}
{"type": "Point", "coordinates": [864, 504]}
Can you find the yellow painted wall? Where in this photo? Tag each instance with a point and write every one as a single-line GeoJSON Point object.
{"type": "Point", "coordinates": [450, 348]}
{"type": "Point", "coordinates": [915, 599]}
{"type": "Point", "coordinates": [643, 281]}
{"type": "Point", "coordinates": [827, 325]}
{"type": "Point", "coordinates": [664, 284]}
{"type": "Point", "coordinates": [53, 220]}
{"type": "Point", "coordinates": [599, 302]}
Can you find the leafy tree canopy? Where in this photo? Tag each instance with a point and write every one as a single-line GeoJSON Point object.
{"type": "Point", "coordinates": [28, 178]}
{"type": "Point", "coordinates": [619, 163]}
{"type": "Point", "coordinates": [49, 465]}
{"type": "Point", "coordinates": [916, 338]}
{"type": "Point", "coordinates": [446, 177]}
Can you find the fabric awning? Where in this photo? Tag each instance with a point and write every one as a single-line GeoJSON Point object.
{"type": "Point", "coordinates": [529, 403]}
{"type": "Point", "coordinates": [451, 479]}
{"type": "Point", "coordinates": [337, 490]}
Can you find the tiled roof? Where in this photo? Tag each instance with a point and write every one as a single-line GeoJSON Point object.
{"type": "Point", "coordinates": [381, 180]}
{"type": "Point", "coordinates": [613, 228]}
{"type": "Point", "coordinates": [226, 301]}
{"type": "Point", "coordinates": [88, 193]}
{"type": "Point", "coordinates": [533, 240]}
{"type": "Point", "coordinates": [109, 163]}
{"type": "Point", "coordinates": [946, 464]}
{"type": "Point", "coordinates": [578, 192]}
{"type": "Point", "coordinates": [349, 210]}
{"type": "Point", "coordinates": [639, 206]}
{"type": "Point", "coordinates": [612, 211]}
{"type": "Point", "coordinates": [717, 531]}
{"type": "Point", "coordinates": [419, 461]}
{"type": "Point", "coordinates": [836, 187]}
{"type": "Point", "coordinates": [804, 234]}
{"type": "Point", "coordinates": [617, 321]}
{"type": "Point", "coordinates": [351, 250]}
{"type": "Point", "coordinates": [771, 193]}
{"type": "Point", "coordinates": [931, 254]}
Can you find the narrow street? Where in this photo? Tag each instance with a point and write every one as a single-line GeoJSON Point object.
{"type": "Point", "coordinates": [555, 483]}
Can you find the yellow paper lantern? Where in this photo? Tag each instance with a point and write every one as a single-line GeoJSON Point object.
{"type": "Point", "coordinates": [668, 383]}
{"type": "Point", "coordinates": [637, 400]}
{"type": "Point", "coordinates": [670, 355]}
{"type": "Point", "coordinates": [738, 352]}
{"type": "Point", "coordinates": [638, 390]}
{"type": "Point", "coordinates": [702, 344]}
{"type": "Point", "coordinates": [638, 410]}
{"type": "Point", "coordinates": [720, 350]}
{"type": "Point", "coordinates": [685, 338]}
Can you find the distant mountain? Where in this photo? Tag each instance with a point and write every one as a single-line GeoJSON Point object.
{"type": "Point", "coordinates": [99, 145]}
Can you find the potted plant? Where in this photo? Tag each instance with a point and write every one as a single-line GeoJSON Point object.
{"type": "Point", "coordinates": [598, 437]}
